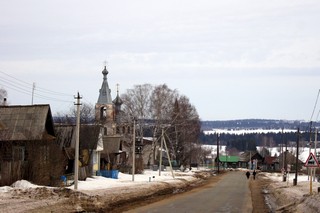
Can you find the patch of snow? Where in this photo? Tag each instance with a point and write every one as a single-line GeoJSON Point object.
{"type": "Point", "coordinates": [5, 189]}
{"type": "Point", "coordinates": [99, 182]}
{"type": "Point", "coordinates": [23, 184]}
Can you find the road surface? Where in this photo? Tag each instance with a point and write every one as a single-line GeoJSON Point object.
{"type": "Point", "coordinates": [230, 194]}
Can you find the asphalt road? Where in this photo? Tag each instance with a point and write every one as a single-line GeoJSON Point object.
{"type": "Point", "coordinates": [230, 194]}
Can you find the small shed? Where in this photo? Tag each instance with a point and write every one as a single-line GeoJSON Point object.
{"type": "Point", "coordinates": [27, 148]}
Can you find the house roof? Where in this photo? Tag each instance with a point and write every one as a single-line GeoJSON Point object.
{"type": "Point", "coordinates": [229, 159]}
{"type": "Point", "coordinates": [88, 139]}
{"type": "Point", "coordinates": [65, 135]}
{"type": "Point", "coordinates": [29, 122]}
{"type": "Point", "coordinates": [250, 155]}
{"type": "Point", "coordinates": [111, 144]}
{"type": "Point", "coordinates": [270, 160]}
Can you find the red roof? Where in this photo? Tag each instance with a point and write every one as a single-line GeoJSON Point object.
{"type": "Point", "coordinates": [270, 160]}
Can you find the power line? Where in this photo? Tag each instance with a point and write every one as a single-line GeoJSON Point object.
{"type": "Point", "coordinates": [23, 87]}
{"type": "Point", "coordinates": [315, 105]}
{"type": "Point", "coordinates": [16, 78]}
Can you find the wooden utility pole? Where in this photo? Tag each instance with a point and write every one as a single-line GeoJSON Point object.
{"type": "Point", "coordinates": [33, 88]}
{"type": "Point", "coordinates": [285, 158]}
{"type": "Point", "coordinates": [76, 159]}
{"type": "Point", "coordinates": [134, 148]}
{"type": "Point", "coordinates": [161, 146]}
{"type": "Point", "coordinates": [168, 155]}
{"type": "Point", "coordinates": [310, 141]}
{"type": "Point", "coordinates": [297, 159]}
{"type": "Point", "coordinates": [218, 152]}
{"type": "Point", "coordinates": [315, 150]}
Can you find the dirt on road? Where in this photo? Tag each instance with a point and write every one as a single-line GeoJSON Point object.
{"type": "Point", "coordinates": [258, 188]}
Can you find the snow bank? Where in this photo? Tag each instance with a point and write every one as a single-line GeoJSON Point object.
{"type": "Point", "coordinates": [99, 182]}
{"type": "Point", "coordinates": [23, 184]}
{"type": "Point", "coordinates": [296, 198]}
{"type": "Point", "coordinates": [5, 189]}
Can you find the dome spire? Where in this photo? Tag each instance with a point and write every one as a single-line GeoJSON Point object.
{"type": "Point", "coordinates": [105, 92]}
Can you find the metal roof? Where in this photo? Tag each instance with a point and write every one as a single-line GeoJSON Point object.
{"type": "Point", "coordinates": [229, 159]}
{"type": "Point", "coordinates": [88, 138]}
{"type": "Point", "coordinates": [105, 91]}
{"type": "Point", "coordinates": [28, 122]}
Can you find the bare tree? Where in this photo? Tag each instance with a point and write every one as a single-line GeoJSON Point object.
{"type": "Point", "coordinates": [168, 111]}
{"type": "Point", "coordinates": [162, 103]}
{"type": "Point", "coordinates": [184, 131]}
{"type": "Point", "coordinates": [137, 104]}
{"type": "Point", "coordinates": [86, 115]}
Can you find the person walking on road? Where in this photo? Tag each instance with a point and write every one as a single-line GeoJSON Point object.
{"type": "Point", "coordinates": [248, 174]}
{"type": "Point", "coordinates": [254, 174]}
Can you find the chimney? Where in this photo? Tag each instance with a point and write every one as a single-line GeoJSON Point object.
{"type": "Point", "coordinates": [5, 102]}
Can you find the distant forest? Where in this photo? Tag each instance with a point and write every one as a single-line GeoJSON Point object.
{"type": "Point", "coordinates": [257, 123]}
{"type": "Point", "coordinates": [250, 141]}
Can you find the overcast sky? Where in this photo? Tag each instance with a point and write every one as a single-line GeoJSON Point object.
{"type": "Point", "coordinates": [232, 59]}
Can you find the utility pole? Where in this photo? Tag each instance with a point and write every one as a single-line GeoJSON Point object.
{"type": "Point", "coordinates": [285, 157]}
{"type": "Point", "coordinates": [76, 160]}
{"type": "Point", "coordinates": [310, 141]}
{"type": "Point", "coordinates": [315, 151]}
{"type": "Point", "coordinates": [33, 88]}
{"type": "Point", "coordinates": [134, 148]}
{"type": "Point", "coordinates": [218, 153]}
{"type": "Point", "coordinates": [297, 159]}
{"type": "Point", "coordinates": [161, 146]}
{"type": "Point", "coordinates": [168, 155]}
{"type": "Point", "coordinates": [281, 150]}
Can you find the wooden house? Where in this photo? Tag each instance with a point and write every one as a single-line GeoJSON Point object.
{"type": "Point", "coordinates": [96, 150]}
{"type": "Point", "coordinates": [270, 164]}
{"type": "Point", "coordinates": [250, 160]}
{"type": "Point", "coordinates": [27, 147]}
{"type": "Point", "coordinates": [228, 161]}
{"type": "Point", "coordinates": [288, 159]}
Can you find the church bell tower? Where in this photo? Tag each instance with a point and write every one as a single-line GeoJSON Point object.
{"type": "Point", "coordinates": [104, 109]}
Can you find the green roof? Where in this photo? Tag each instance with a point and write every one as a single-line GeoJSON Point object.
{"type": "Point", "coordinates": [229, 159]}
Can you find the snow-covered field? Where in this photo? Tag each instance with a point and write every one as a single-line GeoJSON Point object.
{"type": "Point", "coordinates": [247, 131]}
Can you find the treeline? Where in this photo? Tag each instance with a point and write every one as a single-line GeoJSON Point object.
{"type": "Point", "coordinates": [244, 142]}
{"type": "Point", "coordinates": [256, 123]}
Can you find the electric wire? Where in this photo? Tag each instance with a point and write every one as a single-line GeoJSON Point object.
{"type": "Point", "coordinates": [23, 87]}
{"type": "Point", "coordinates": [315, 105]}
